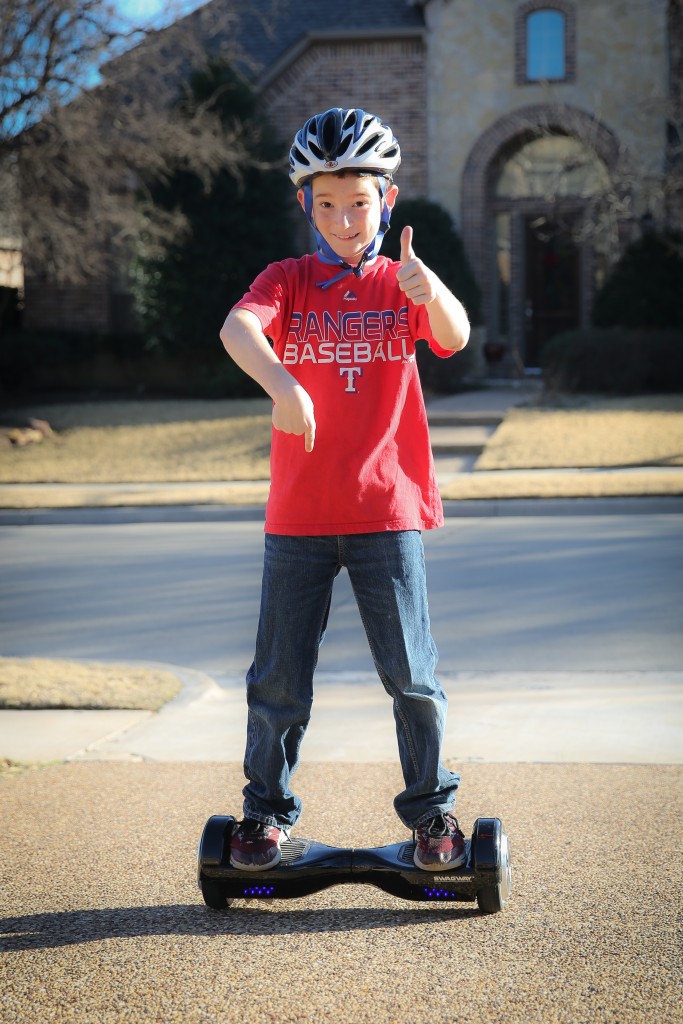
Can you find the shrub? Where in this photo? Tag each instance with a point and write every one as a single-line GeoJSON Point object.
{"type": "Point", "coordinates": [438, 244]}
{"type": "Point", "coordinates": [614, 361]}
{"type": "Point", "coordinates": [33, 362]}
{"type": "Point", "coordinates": [644, 288]}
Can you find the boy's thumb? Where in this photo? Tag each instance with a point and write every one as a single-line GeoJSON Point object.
{"type": "Point", "coordinates": [407, 253]}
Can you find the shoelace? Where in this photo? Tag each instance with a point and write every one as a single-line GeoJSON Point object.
{"type": "Point", "coordinates": [442, 825]}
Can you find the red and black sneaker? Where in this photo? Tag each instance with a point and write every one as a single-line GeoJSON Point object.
{"type": "Point", "coordinates": [439, 844]}
{"type": "Point", "coordinates": [255, 846]}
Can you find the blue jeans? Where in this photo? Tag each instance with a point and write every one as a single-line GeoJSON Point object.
{"type": "Point", "coordinates": [387, 573]}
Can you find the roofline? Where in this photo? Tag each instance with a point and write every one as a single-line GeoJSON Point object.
{"type": "Point", "coordinates": [332, 36]}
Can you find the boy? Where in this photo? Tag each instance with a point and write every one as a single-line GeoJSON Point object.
{"type": "Point", "coordinates": [352, 478]}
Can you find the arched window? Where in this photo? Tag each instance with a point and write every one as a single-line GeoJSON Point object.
{"type": "Point", "coordinates": [545, 46]}
{"type": "Point", "coordinates": [552, 167]}
{"type": "Point", "coordinates": [545, 41]}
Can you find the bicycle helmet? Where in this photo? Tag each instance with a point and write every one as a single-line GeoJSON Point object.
{"type": "Point", "coordinates": [344, 140]}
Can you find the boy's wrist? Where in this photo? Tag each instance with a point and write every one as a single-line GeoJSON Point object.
{"type": "Point", "coordinates": [284, 385]}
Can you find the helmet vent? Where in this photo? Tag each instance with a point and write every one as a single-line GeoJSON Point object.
{"type": "Point", "coordinates": [329, 135]}
{"type": "Point", "coordinates": [343, 146]}
{"type": "Point", "coordinates": [370, 144]}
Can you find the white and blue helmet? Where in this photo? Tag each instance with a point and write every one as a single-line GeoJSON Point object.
{"type": "Point", "coordinates": [343, 140]}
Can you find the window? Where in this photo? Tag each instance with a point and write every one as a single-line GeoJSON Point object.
{"type": "Point", "coordinates": [552, 167]}
{"type": "Point", "coordinates": [545, 41]}
{"type": "Point", "coordinates": [545, 46]}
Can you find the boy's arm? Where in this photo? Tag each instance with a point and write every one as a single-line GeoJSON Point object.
{"type": "Point", "coordinates": [447, 316]}
{"type": "Point", "coordinates": [246, 343]}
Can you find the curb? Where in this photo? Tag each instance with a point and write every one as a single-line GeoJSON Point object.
{"type": "Point", "coordinates": [465, 508]}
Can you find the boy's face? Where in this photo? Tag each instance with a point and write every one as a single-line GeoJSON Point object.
{"type": "Point", "coordinates": [346, 211]}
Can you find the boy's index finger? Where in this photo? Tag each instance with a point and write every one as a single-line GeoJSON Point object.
{"type": "Point", "coordinates": [309, 436]}
{"type": "Point", "coordinates": [407, 253]}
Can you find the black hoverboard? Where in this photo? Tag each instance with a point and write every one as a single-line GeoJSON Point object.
{"type": "Point", "coordinates": [307, 867]}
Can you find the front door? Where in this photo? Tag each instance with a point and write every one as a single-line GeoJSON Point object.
{"type": "Point", "coordinates": [552, 284]}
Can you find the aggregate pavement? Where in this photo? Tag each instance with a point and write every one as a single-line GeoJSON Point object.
{"type": "Point", "coordinates": [102, 920]}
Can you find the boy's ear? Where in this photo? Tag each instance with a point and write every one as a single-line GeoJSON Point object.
{"type": "Point", "coordinates": [391, 195]}
{"type": "Point", "coordinates": [300, 197]}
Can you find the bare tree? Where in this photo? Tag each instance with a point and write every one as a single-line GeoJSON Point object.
{"type": "Point", "coordinates": [89, 113]}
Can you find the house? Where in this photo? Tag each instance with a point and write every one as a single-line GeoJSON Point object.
{"type": "Point", "coordinates": [546, 128]}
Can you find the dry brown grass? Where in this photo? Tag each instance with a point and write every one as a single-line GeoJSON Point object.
{"type": "Point", "coordinates": [217, 452]}
{"type": "Point", "coordinates": [45, 683]}
{"type": "Point", "coordinates": [127, 442]}
{"type": "Point", "coordinates": [218, 447]}
{"type": "Point", "coordinates": [607, 433]}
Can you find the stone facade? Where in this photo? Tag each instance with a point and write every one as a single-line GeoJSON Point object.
{"type": "Point", "coordinates": [620, 79]}
{"type": "Point", "coordinates": [613, 97]}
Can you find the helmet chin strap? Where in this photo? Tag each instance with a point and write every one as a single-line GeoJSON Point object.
{"type": "Point", "coordinates": [325, 250]}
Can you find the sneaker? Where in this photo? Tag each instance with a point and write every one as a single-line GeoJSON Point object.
{"type": "Point", "coordinates": [255, 846]}
{"type": "Point", "coordinates": [439, 844]}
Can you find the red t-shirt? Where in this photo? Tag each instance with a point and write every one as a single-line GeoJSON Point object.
{"type": "Point", "coordinates": [352, 347]}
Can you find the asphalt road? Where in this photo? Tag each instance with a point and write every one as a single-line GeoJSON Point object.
{"type": "Point", "coordinates": [506, 595]}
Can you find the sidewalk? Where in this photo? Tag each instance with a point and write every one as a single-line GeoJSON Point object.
{"type": "Point", "coordinates": [513, 718]}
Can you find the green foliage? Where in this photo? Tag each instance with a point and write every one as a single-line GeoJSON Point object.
{"type": "Point", "coordinates": [614, 362]}
{"type": "Point", "coordinates": [644, 288]}
{"type": "Point", "coordinates": [438, 245]}
{"type": "Point", "coordinates": [237, 225]}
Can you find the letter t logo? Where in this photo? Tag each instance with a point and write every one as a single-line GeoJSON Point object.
{"type": "Point", "coordinates": [351, 373]}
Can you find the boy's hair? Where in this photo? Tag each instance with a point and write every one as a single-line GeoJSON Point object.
{"type": "Point", "coordinates": [346, 173]}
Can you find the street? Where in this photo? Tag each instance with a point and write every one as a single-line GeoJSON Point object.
{"type": "Point", "coordinates": [511, 594]}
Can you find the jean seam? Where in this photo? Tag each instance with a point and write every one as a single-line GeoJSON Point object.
{"type": "Point", "coordinates": [393, 690]}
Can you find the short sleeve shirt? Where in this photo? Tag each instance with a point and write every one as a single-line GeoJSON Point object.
{"type": "Point", "coordinates": [352, 347]}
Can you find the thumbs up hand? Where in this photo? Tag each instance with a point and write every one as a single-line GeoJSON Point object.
{"type": "Point", "coordinates": [415, 279]}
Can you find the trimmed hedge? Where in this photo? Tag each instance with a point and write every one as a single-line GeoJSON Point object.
{"type": "Point", "coordinates": [645, 287]}
{"type": "Point", "coordinates": [614, 361]}
{"type": "Point", "coordinates": [439, 245]}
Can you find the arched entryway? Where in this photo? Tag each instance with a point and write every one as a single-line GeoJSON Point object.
{"type": "Point", "coordinates": [534, 191]}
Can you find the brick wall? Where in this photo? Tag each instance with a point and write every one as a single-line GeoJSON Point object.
{"type": "Point", "coordinates": [384, 76]}
{"type": "Point", "coordinates": [72, 308]}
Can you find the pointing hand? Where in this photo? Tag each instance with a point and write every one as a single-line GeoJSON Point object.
{"type": "Point", "coordinates": [293, 414]}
